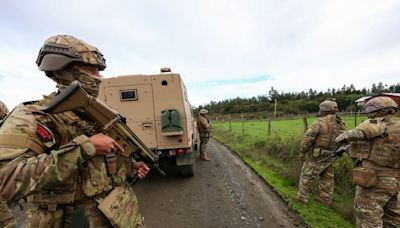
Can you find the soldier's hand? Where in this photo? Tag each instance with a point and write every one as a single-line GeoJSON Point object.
{"type": "Point", "coordinates": [342, 138]}
{"type": "Point", "coordinates": [104, 144]}
{"type": "Point", "coordinates": [141, 169]}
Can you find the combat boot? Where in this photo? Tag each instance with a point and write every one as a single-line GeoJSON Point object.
{"type": "Point", "coordinates": [325, 201]}
{"type": "Point", "coordinates": [204, 157]}
{"type": "Point", "coordinates": [301, 199]}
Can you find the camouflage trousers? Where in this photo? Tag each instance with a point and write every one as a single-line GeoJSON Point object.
{"type": "Point", "coordinates": [203, 144]}
{"type": "Point", "coordinates": [313, 171]}
{"type": "Point", "coordinates": [6, 217]}
{"type": "Point", "coordinates": [379, 205]}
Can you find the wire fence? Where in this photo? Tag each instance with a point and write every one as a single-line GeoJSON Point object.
{"type": "Point", "coordinates": [283, 125]}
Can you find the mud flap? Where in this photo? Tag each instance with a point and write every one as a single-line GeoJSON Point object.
{"type": "Point", "coordinates": [185, 159]}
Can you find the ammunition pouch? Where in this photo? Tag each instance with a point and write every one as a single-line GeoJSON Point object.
{"type": "Point", "coordinates": [121, 207]}
{"type": "Point", "coordinates": [37, 217]}
{"type": "Point", "coordinates": [95, 179]}
{"type": "Point", "coordinates": [360, 149]}
{"type": "Point", "coordinates": [316, 152]}
{"type": "Point", "coordinates": [364, 177]}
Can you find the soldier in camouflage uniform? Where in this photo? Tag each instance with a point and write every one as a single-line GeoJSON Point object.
{"type": "Point", "coordinates": [376, 143]}
{"type": "Point", "coordinates": [57, 161]}
{"type": "Point", "coordinates": [319, 142]}
{"type": "Point", "coordinates": [6, 218]}
{"type": "Point", "coordinates": [203, 126]}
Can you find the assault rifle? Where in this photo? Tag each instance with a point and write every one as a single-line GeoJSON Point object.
{"type": "Point", "coordinates": [112, 123]}
{"type": "Point", "coordinates": [337, 153]}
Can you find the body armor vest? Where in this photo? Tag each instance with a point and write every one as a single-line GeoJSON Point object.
{"type": "Point", "coordinates": [330, 127]}
{"type": "Point", "coordinates": [200, 125]}
{"type": "Point", "coordinates": [384, 149]}
{"type": "Point", "coordinates": [91, 178]}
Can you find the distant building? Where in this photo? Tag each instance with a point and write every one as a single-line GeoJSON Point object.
{"type": "Point", "coordinates": [361, 101]}
{"type": "Point", "coordinates": [394, 96]}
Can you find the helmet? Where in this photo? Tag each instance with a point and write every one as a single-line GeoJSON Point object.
{"type": "Point", "coordinates": [203, 111]}
{"type": "Point", "coordinates": [3, 110]}
{"type": "Point", "coordinates": [58, 51]}
{"type": "Point", "coordinates": [328, 106]}
{"type": "Point", "coordinates": [378, 103]}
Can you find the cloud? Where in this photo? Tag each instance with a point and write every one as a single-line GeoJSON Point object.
{"type": "Point", "coordinates": [220, 45]}
{"type": "Point", "coordinates": [241, 81]}
{"type": "Point", "coordinates": [219, 92]}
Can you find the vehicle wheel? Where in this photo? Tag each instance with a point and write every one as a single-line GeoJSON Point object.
{"type": "Point", "coordinates": [187, 170]}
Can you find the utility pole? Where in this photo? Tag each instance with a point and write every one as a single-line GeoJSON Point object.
{"type": "Point", "coordinates": [276, 103]}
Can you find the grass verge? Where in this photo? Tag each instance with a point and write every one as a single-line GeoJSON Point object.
{"type": "Point", "coordinates": [273, 159]}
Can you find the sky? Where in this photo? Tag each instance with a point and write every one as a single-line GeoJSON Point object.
{"type": "Point", "coordinates": [222, 49]}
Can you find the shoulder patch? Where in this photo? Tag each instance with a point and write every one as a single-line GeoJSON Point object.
{"type": "Point", "coordinates": [43, 133]}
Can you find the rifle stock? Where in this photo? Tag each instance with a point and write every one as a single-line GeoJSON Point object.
{"type": "Point", "coordinates": [337, 153]}
{"type": "Point", "coordinates": [112, 123]}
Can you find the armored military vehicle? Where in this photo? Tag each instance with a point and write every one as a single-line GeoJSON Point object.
{"type": "Point", "coordinates": [158, 110]}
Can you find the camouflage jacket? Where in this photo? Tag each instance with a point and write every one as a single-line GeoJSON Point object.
{"type": "Point", "coordinates": [50, 157]}
{"type": "Point", "coordinates": [322, 133]}
{"type": "Point", "coordinates": [376, 140]}
{"type": "Point", "coordinates": [203, 125]}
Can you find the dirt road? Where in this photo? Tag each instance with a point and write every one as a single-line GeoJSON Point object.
{"type": "Point", "coordinates": [224, 192]}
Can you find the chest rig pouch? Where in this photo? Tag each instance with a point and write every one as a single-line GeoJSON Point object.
{"type": "Point", "coordinates": [121, 207]}
{"type": "Point", "coordinates": [95, 179]}
{"type": "Point", "coordinates": [364, 177]}
{"type": "Point", "coordinates": [360, 149]}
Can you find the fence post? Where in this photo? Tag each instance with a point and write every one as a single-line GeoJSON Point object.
{"type": "Point", "coordinates": [305, 123]}
{"type": "Point", "coordinates": [269, 127]}
{"type": "Point", "coordinates": [355, 118]}
{"type": "Point", "coordinates": [242, 125]}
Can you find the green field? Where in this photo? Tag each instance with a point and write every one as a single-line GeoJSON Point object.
{"type": "Point", "coordinates": [274, 158]}
{"type": "Point", "coordinates": [258, 129]}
